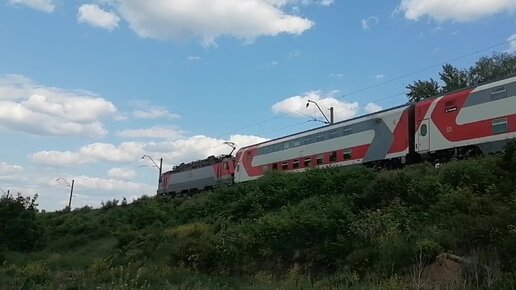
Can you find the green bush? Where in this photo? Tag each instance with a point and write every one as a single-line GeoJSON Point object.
{"type": "Point", "coordinates": [191, 246]}
{"type": "Point", "coordinates": [369, 225]}
{"type": "Point", "coordinates": [19, 227]}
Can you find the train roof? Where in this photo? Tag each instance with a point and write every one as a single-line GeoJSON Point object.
{"type": "Point", "coordinates": [330, 125]}
{"type": "Point", "coordinates": [210, 160]}
{"type": "Point", "coordinates": [385, 110]}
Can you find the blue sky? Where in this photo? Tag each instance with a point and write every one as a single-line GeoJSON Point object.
{"type": "Point", "coordinates": [89, 87]}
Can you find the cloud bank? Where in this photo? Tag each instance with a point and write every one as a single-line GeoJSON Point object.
{"type": "Point", "coordinates": [40, 110]}
{"type": "Point", "coordinates": [460, 11]}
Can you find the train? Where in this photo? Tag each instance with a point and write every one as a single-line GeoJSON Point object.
{"type": "Point", "coordinates": [478, 120]}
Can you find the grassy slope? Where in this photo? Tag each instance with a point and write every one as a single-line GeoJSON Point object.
{"type": "Point", "coordinates": [351, 228]}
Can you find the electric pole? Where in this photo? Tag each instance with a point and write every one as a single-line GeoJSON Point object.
{"type": "Point", "coordinates": [71, 194]}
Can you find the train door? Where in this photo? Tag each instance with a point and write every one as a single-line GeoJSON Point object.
{"type": "Point", "coordinates": [423, 136]}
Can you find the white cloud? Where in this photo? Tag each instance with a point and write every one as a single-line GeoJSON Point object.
{"type": "Point", "coordinates": [338, 75]}
{"type": "Point", "coordinates": [8, 169]}
{"type": "Point", "coordinates": [437, 29]}
{"type": "Point", "coordinates": [326, 2]}
{"type": "Point", "coordinates": [86, 182]}
{"type": "Point", "coordinates": [512, 43]}
{"type": "Point", "coordinates": [294, 54]}
{"type": "Point", "coordinates": [207, 20]}
{"type": "Point", "coordinates": [59, 158]}
{"type": "Point", "coordinates": [372, 107]}
{"type": "Point", "coordinates": [198, 147]}
{"type": "Point", "coordinates": [379, 77]}
{"type": "Point", "coordinates": [146, 111]}
{"type": "Point", "coordinates": [369, 21]}
{"type": "Point", "coordinates": [280, 3]}
{"type": "Point", "coordinates": [125, 152]}
{"type": "Point", "coordinates": [121, 173]}
{"type": "Point", "coordinates": [296, 106]}
{"type": "Point", "coordinates": [42, 5]}
{"type": "Point", "coordinates": [35, 109]}
{"type": "Point", "coordinates": [152, 133]}
{"type": "Point", "coordinates": [88, 190]}
{"type": "Point", "coordinates": [194, 57]}
{"type": "Point", "coordinates": [154, 113]}
{"type": "Point", "coordinates": [462, 11]}
{"type": "Point", "coordinates": [173, 152]}
{"type": "Point", "coordinates": [96, 16]}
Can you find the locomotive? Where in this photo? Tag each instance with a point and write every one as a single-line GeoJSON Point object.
{"type": "Point", "coordinates": [478, 120]}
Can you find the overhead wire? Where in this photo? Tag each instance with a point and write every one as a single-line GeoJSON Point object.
{"type": "Point", "coordinates": [282, 115]}
{"type": "Point", "coordinates": [423, 69]}
{"type": "Point", "coordinates": [374, 86]}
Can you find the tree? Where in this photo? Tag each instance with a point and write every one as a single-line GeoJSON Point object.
{"type": "Point", "coordinates": [18, 226]}
{"type": "Point", "coordinates": [498, 66]}
{"type": "Point", "coordinates": [492, 68]}
{"type": "Point", "coordinates": [421, 90]}
{"type": "Point", "coordinates": [453, 78]}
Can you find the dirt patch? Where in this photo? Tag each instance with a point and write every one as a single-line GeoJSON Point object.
{"type": "Point", "coordinates": [443, 271]}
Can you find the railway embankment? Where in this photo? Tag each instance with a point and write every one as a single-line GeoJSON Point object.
{"type": "Point", "coordinates": [420, 227]}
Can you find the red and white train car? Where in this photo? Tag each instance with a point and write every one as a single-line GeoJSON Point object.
{"type": "Point", "coordinates": [381, 137]}
{"type": "Point", "coordinates": [468, 122]}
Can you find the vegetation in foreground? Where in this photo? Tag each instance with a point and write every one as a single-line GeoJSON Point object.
{"type": "Point", "coordinates": [330, 228]}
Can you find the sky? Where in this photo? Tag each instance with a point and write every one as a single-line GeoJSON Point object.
{"type": "Point", "coordinates": [87, 88]}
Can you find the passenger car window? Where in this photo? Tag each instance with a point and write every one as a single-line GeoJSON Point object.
{"type": "Point", "coordinates": [499, 126]}
{"type": "Point", "coordinates": [347, 154]}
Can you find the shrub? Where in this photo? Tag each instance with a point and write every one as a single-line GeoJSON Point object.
{"type": "Point", "coordinates": [191, 245]}
{"type": "Point", "coordinates": [19, 227]}
{"type": "Point", "coordinates": [478, 175]}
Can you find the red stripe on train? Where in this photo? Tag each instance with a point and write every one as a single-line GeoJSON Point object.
{"type": "Point", "coordinates": [445, 113]}
{"type": "Point", "coordinates": [401, 138]}
{"type": "Point", "coordinates": [357, 152]}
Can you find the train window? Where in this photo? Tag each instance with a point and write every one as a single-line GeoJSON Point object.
{"type": "Point", "coordinates": [333, 133]}
{"type": "Point", "coordinates": [286, 145]}
{"type": "Point", "coordinates": [307, 161]}
{"type": "Point", "coordinates": [346, 131]}
{"type": "Point", "coordinates": [347, 154]}
{"type": "Point", "coordinates": [319, 137]}
{"type": "Point", "coordinates": [500, 126]}
{"type": "Point", "coordinates": [226, 166]}
{"type": "Point", "coordinates": [320, 159]}
{"type": "Point", "coordinates": [297, 143]}
{"type": "Point", "coordinates": [423, 130]}
{"type": "Point", "coordinates": [278, 147]}
{"type": "Point", "coordinates": [308, 140]}
{"type": "Point", "coordinates": [498, 93]}
{"type": "Point", "coordinates": [284, 165]}
{"type": "Point", "coordinates": [295, 164]}
{"type": "Point", "coordinates": [333, 157]}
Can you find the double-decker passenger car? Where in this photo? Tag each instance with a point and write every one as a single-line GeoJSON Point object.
{"type": "Point", "coordinates": [472, 121]}
{"type": "Point", "coordinates": [381, 137]}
